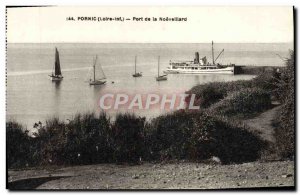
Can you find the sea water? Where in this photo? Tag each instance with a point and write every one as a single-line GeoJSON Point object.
{"type": "Point", "coordinates": [31, 96]}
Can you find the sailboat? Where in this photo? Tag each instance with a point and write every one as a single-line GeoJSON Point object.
{"type": "Point", "coordinates": [136, 74]}
{"type": "Point", "coordinates": [56, 75]}
{"type": "Point", "coordinates": [98, 81]}
{"type": "Point", "coordinates": [160, 77]}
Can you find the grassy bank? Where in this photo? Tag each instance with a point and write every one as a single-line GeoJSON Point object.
{"type": "Point", "coordinates": [261, 86]}
{"type": "Point", "coordinates": [191, 135]}
{"type": "Point", "coordinates": [89, 139]}
{"type": "Point", "coordinates": [244, 99]}
{"type": "Point", "coordinates": [285, 125]}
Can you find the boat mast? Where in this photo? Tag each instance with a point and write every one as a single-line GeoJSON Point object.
{"type": "Point", "coordinates": [158, 66]}
{"type": "Point", "coordinates": [94, 67]}
{"type": "Point", "coordinates": [94, 73]}
{"type": "Point", "coordinates": [212, 52]}
{"type": "Point", "coordinates": [135, 65]}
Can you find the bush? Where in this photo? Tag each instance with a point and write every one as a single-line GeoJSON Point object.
{"type": "Point", "coordinates": [88, 139]}
{"type": "Point", "coordinates": [207, 95]}
{"type": "Point", "coordinates": [197, 136]}
{"type": "Point", "coordinates": [236, 144]}
{"type": "Point", "coordinates": [85, 140]}
{"type": "Point", "coordinates": [285, 125]}
{"type": "Point", "coordinates": [243, 103]}
{"type": "Point", "coordinates": [285, 131]}
{"type": "Point", "coordinates": [128, 138]}
{"type": "Point", "coordinates": [50, 141]}
{"type": "Point", "coordinates": [210, 93]}
{"type": "Point", "coordinates": [19, 147]}
{"type": "Point", "coordinates": [168, 135]}
{"type": "Point", "coordinates": [266, 81]}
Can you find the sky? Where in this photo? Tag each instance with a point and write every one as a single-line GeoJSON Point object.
{"type": "Point", "coordinates": [221, 24]}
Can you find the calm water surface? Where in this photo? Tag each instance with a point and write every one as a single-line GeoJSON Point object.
{"type": "Point", "coordinates": [32, 97]}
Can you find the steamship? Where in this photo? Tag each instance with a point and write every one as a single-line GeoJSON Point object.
{"type": "Point", "coordinates": [199, 66]}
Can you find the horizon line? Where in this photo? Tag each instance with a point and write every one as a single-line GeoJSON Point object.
{"type": "Point", "coordinates": [141, 43]}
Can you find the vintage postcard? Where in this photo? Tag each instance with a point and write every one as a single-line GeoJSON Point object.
{"type": "Point", "coordinates": [155, 98]}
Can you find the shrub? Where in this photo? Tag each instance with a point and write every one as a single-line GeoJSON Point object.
{"type": "Point", "coordinates": [128, 138]}
{"type": "Point", "coordinates": [285, 131]}
{"type": "Point", "coordinates": [285, 125]}
{"type": "Point", "coordinates": [197, 136]}
{"type": "Point", "coordinates": [19, 146]}
{"type": "Point", "coordinates": [85, 140]}
{"type": "Point", "coordinates": [88, 140]}
{"type": "Point", "coordinates": [236, 144]}
{"type": "Point", "coordinates": [243, 103]}
{"type": "Point", "coordinates": [50, 141]}
{"type": "Point", "coordinates": [168, 135]}
{"type": "Point", "coordinates": [266, 81]}
{"type": "Point", "coordinates": [210, 93]}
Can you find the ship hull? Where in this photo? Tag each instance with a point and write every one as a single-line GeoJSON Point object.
{"type": "Point", "coordinates": [227, 70]}
{"type": "Point", "coordinates": [161, 78]}
{"type": "Point", "coordinates": [97, 82]}
{"type": "Point", "coordinates": [56, 78]}
{"type": "Point", "coordinates": [137, 75]}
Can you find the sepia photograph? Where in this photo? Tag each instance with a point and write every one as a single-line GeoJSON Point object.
{"type": "Point", "coordinates": [150, 98]}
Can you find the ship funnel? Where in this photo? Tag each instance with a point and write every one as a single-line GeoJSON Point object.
{"type": "Point", "coordinates": [196, 60]}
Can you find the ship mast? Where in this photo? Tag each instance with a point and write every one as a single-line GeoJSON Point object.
{"type": "Point", "coordinates": [158, 66]}
{"type": "Point", "coordinates": [95, 68]}
{"type": "Point", "coordinates": [135, 65]}
{"type": "Point", "coordinates": [212, 52]}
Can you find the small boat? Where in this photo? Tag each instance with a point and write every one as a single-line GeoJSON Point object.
{"type": "Point", "coordinates": [160, 77]}
{"type": "Point", "coordinates": [136, 74]}
{"type": "Point", "coordinates": [56, 75]}
{"type": "Point", "coordinates": [200, 66]}
{"type": "Point", "coordinates": [99, 81]}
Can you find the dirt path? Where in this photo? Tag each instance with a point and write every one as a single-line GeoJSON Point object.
{"type": "Point", "coordinates": [263, 124]}
{"type": "Point", "coordinates": [157, 176]}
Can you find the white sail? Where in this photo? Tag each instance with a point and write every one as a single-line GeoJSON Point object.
{"type": "Point", "coordinates": [98, 75]}
{"type": "Point", "coordinates": [102, 73]}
